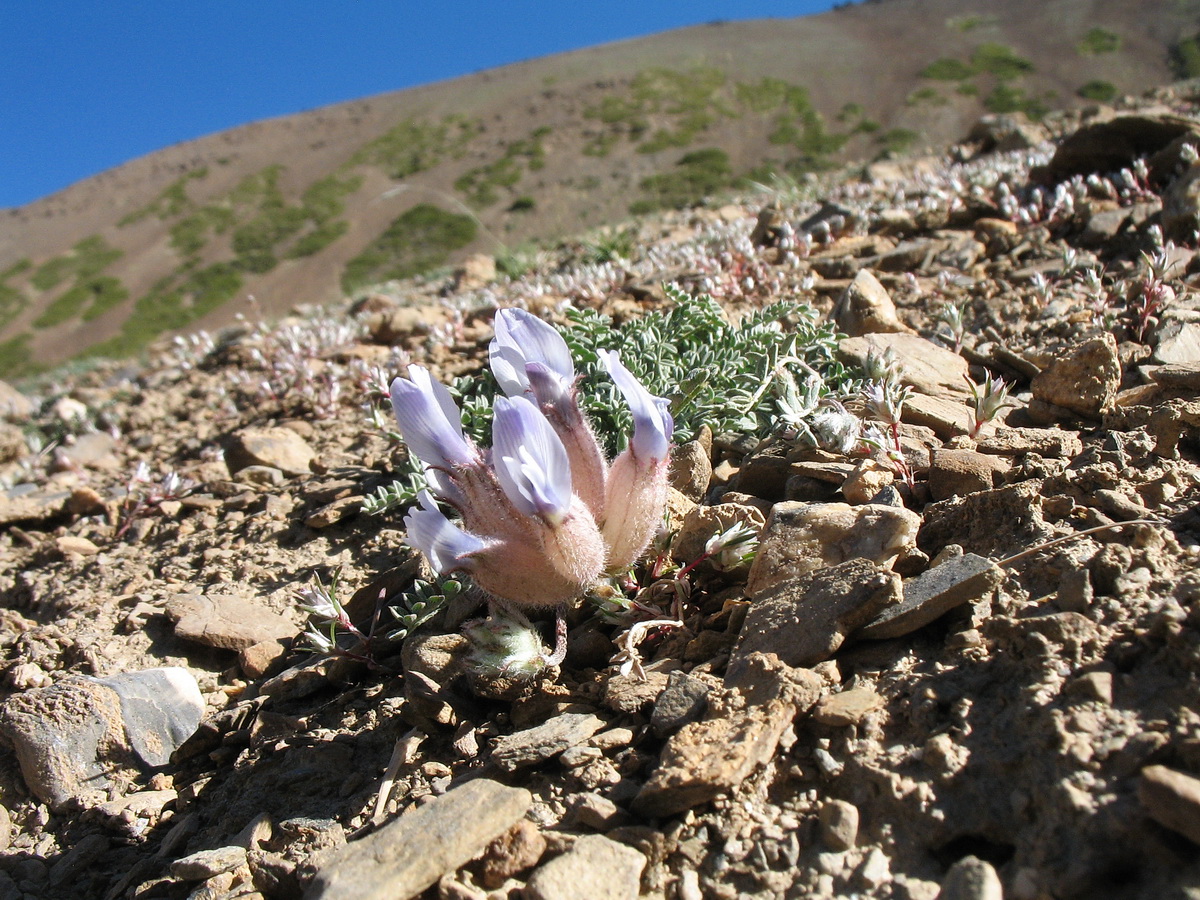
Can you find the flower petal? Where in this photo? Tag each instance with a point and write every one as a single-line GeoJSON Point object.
{"type": "Point", "coordinates": [448, 548]}
{"type": "Point", "coordinates": [429, 420]}
{"type": "Point", "coordinates": [530, 460]}
{"type": "Point", "coordinates": [522, 336]}
{"type": "Point", "coordinates": [652, 422]}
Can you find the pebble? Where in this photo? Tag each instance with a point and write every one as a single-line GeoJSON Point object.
{"type": "Point", "coordinates": [702, 522]}
{"type": "Point", "coordinates": [839, 824]}
{"type": "Point", "coordinates": [930, 369]}
{"type": "Point", "coordinates": [518, 849]}
{"type": "Point", "coordinates": [682, 701]}
{"type": "Point", "coordinates": [971, 878]}
{"type": "Point", "coordinates": [1084, 381]}
{"type": "Point", "coordinates": [866, 307]}
{"type": "Point", "coordinates": [596, 811]}
{"type": "Point", "coordinates": [712, 757]}
{"type": "Point", "coordinates": [595, 868]}
{"type": "Point", "coordinates": [847, 707]}
{"type": "Point", "coordinates": [411, 853]}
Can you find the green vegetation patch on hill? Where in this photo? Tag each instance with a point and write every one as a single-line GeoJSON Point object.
{"type": "Point", "coordinates": [420, 239]}
{"type": "Point", "coordinates": [1098, 41]}
{"type": "Point", "coordinates": [483, 183]}
{"type": "Point", "coordinates": [697, 175]}
{"type": "Point", "coordinates": [414, 145]}
{"type": "Point", "coordinates": [12, 298]}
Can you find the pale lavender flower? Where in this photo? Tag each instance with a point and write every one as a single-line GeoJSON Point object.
{"type": "Point", "coordinates": [637, 480]}
{"type": "Point", "coordinates": [528, 356]}
{"type": "Point", "coordinates": [526, 537]}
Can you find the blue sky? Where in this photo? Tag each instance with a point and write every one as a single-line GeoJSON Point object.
{"type": "Point", "coordinates": [88, 84]}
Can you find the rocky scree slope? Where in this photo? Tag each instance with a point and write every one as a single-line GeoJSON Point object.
{"type": "Point", "coordinates": [912, 692]}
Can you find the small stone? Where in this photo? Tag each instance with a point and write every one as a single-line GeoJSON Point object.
{"type": "Point", "coordinates": [1096, 686]}
{"type": "Point", "coordinates": [805, 620]}
{"type": "Point", "coordinates": [537, 744]}
{"type": "Point", "coordinates": [94, 450]}
{"type": "Point", "coordinates": [682, 701]}
{"type": "Point", "coordinates": [876, 869]}
{"type": "Point", "coordinates": [14, 405]}
{"type": "Point", "coordinates": [1178, 377]}
{"type": "Point", "coordinates": [259, 658]}
{"type": "Point", "coordinates": [207, 863]}
{"type": "Point", "coordinates": [847, 707]}
{"type": "Point", "coordinates": [947, 418]}
{"type": "Point", "coordinates": [595, 868]}
{"type": "Point", "coordinates": [597, 812]}
{"type": "Point", "coordinates": [955, 472]}
{"type": "Point", "coordinates": [934, 593]}
{"type": "Point", "coordinates": [280, 448]}
{"type": "Point", "coordinates": [691, 470]}
{"type": "Point", "coordinates": [229, 623]}
{"type": "Point", "coordinates": [338, 511]}
{"type": "Point", "coordinates": [518, 849]}
{"type": "Point", "coordinates": [801, 537]}
{"type": "Point", "coordinates": [866, 308]}
{"type": "Point", "coordinates": [1084, 381]}
{"type": "Point", "coordinates": [261, 476]}
{"type": "Point", "coordinates": [26, 503]}
{"type": "Point", "coordinates": [85, 501]}
{"type": "Point", "coordinates": [411, 853]}
{"type": "Point", "coordinates": [1172, 799]}
{"type": "Point", "coordinates": [72, 544]}
{"type": "Point", "coordinates": [866, 481]}
{"type": "Point", "coordinates": [971, 878]}
{"type": "Point", "coordinates": [839, 824]}
{"type": "Point", "coordinates": [710, 758]}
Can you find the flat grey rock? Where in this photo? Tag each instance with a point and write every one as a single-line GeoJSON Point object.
{"type": "Point", "coordinates": [408, 855]}
{"type": "Point", "coordinates": [934, 593]}
{"type": "Point", "coordinates": [71, 737]}
{"type": "Point", "coordinates": [534, 745]}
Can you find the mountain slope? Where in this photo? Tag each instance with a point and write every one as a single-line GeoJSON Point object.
{"type": "Point", "coordinates": [304, 208]}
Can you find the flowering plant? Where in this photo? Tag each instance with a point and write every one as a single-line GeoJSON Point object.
{"type": "Point", "coordinates": [544, 515]}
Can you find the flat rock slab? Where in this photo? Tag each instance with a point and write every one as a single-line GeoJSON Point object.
{"type": "Point", "coordinates": [1055, 443]}
{"type": "Point", "coordinates": [70, 737]}
{"type": "Point", "coordinates": [595, 868]}
{"type": "Point", "coordinates": [406, 856]}
{"type": "Point", "coordinates": [802, 537]}
{"type": "Point", "coordinates": [711, 758]}
{"type": "Point", "coordinates": [537, 744]}
{"type": "Point", "coordinates": [928, 368]}
{"type": "Point", "coordinates": [280, 448]}
{"type": "Point", "coordinates": [806, 620]}
{"type": "Point", "coordinates": [25, 503]}
{"type": "Point", "coordinates": [1172, 799]}
{"type": "Point", "coordinates": [934, 593]}
{"type": "Point", "coordinates": [228, 623]}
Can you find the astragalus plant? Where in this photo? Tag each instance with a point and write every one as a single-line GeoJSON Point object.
{"type": "Point", "coordinates": [544, 514]}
